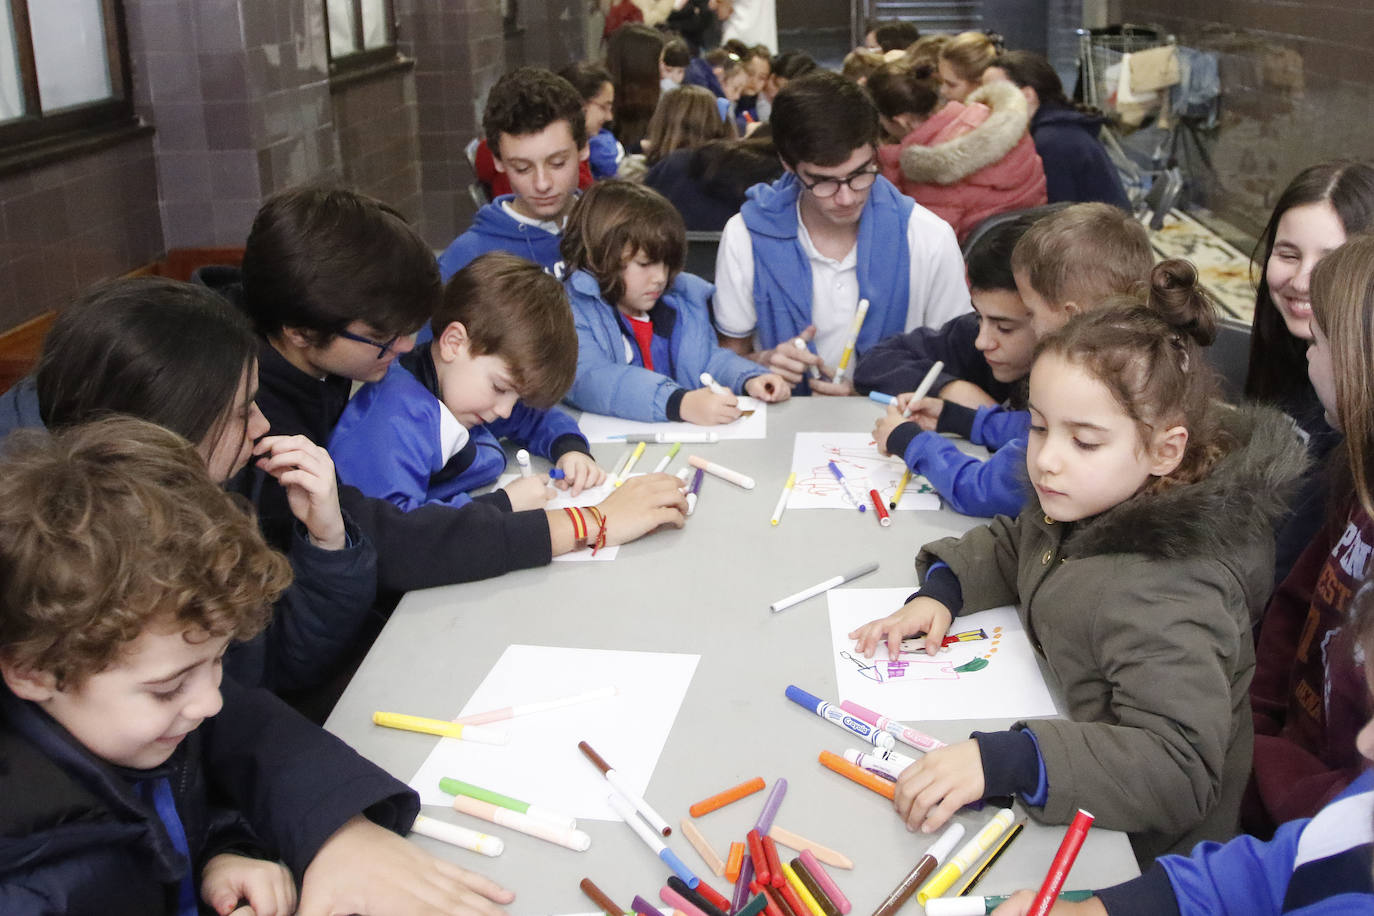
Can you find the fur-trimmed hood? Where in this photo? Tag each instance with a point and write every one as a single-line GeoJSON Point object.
{"type": "Point", "coordinates": [929, 157]}
{"type": "Point", "coordinates": [1247, 490]}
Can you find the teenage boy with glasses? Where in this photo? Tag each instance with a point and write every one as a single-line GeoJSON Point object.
{"type": "Point", "coordinates": [796, 260]}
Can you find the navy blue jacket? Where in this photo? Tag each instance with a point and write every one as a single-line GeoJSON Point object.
{"type": "Point", "coordinates": [898, 364]}
{"type": "Point", "coordinates": [315, 622]}
{"type": "Point", "coordinates": [1076, 165]}
{"type": "Point", "coordinates": [77, 838]}
{"type": "Point", "coordinates": [707, 185]}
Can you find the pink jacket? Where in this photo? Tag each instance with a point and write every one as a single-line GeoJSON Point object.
{"type": "Point", "coordinates": [969, 161]}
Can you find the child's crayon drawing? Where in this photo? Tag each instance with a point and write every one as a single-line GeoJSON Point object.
{"type": "Point", "coordinates": [863, 468]}
{"type": "Point", "coordinates": [995, 675]}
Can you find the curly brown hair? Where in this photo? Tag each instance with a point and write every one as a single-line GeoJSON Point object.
{"type": "Point", "coordinates": [110, 527]}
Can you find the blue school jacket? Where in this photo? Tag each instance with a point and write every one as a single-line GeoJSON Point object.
{"type": "Point", "coordinates": [970, 485]}
{"type": "Point", "coordinates": [1314, 867]}
{"type": "Point", "coordinates": [611, 378]}
{"type": "Point", "coordinates": [396, 440]}
{"type": "Point", "coordinates": [493, 229]}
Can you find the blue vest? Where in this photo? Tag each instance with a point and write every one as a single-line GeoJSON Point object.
{"type": "Point", "coordinates": [782, 273]}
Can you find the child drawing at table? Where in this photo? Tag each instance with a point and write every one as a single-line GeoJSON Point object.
{"type": "Point", "coordinates": [644, 331]}
{"type": "Point", "coordinates": [1137, 568]}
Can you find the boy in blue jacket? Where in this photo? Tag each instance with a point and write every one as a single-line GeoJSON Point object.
{"type": "Point", "coordinates": [537, 132]}
{"type": "Point", "coordinates": [501, 357]}
{"type": "Point", "coordinates": [1063, 263]}
{"type": "Point", "coordinates": [644, 334]}
{"type": "Point", "coordinates": [127, 789]}
{"type": "Point", "coordinates": [1313, 866]}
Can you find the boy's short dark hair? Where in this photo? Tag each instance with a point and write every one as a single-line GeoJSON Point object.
{"type": "Point", "coordinates": [110, 527]}
{"type": "Point", "coordinates": [527, 100]}
{"type": "Point", "coordinates": [513, 309]}
{"type": "Point", "coordinates": [989, 261]}
{"type": "Point", "coordinates": [822, 118]}
{"type": "Point", "coordinates": [676, 53]}
{"type": "Point", "coordinates": [586, 77]}
{"type": "Point", "coordinates": [319, 258]}
{"type": "Point", "coordinates": [896, 35]}
{"type": "Point", "coordinates": [1085, 253]}
{"type": "Point", "coordinates": [613, 216]}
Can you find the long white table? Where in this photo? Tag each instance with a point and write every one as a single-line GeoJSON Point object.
{"type": "Point", "coordinates": [705, 589]}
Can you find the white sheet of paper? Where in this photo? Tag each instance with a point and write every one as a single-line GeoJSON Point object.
{"type": "Point", "coordinates": [600, 428]}
{"type": "Point", "coordinates": [928, 687]}
{"type": "Point", "coordinates": [541, 764]}
{"type": "Point", "coordinates": [588, 497]}
{"type": "Point", "coordinates": [863, 468]}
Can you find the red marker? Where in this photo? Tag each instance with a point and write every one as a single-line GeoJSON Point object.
{"type": "Point", "coordinates": [1062, 864]}
{"type": "Point", "coordinates": [880, 508]}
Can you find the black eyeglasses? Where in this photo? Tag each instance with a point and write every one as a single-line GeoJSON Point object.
{"type": "Point", "coordinates": [861, 180]}
{"type": "Point", "coordinates": [382, 348]}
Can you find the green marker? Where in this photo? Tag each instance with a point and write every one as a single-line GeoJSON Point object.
{"type": "Point", "coordinates": [672, 453]}
{"type": "Point", "coordinates": [546, 815]}
{"type": "Point", "coordinates": [981, 906]}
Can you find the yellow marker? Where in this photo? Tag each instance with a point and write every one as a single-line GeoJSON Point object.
{"type": "Point", "coordinates": [806, 896]}
{"type": "Point", "coordinates": [853, 339]}
{"type": "Point", "coordinates": [625, 471]}
{"type": "Point", "coordinates": [901, 488]}
{"type": "Point", "coordinates": [963, 860]}
{"type": "Point", "coordinates": [480, 733]}
{"type": "Point", "coordinates": [782, 500]}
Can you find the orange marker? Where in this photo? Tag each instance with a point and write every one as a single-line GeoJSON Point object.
{"type": "Point", "coordinates": [879, 508]}
{"type": "Point", "coordinates": [733, 863]}
{"type": "Point", "coordinates": [858, 774]}
{"type": "Point", "coordinates": [721, 799]}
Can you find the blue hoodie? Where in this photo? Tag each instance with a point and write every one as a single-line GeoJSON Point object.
{"type": "Point", "coordinates": [782, 275]}
{"type": "Point", "coordinates": [397, 441]}
{"type": "Point", "coordinates": [684, 347]}
{"type": "Point", "coordinates": [493, 229]}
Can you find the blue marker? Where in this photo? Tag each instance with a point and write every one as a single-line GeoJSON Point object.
{"type": "Point", "coordinates": [557, 473]}
{"type": "Point", "coordinates": [841, 718]}
{"type": "Point", "coordinates": [844, 485]}
{"type": "Point", "coordinates": [881, 398]}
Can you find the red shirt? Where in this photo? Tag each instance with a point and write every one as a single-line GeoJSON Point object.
{"type": "Point", "coordinates": [644, 337]}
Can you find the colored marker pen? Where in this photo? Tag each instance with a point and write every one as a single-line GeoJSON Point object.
{"type": "Point", "coordinates": [663, 463]}
{"type": "Point", "coordinates": [908, 736]}
{"type": "Point", "coordinates": [522, 458]}
{"type": "Point", "coordinates": [844, 485]}
{"type": "Point", "coordinates": [709, 382]}
{"type": "Point", "coordinates": [879, 509]}
{"type": "Point", "coordinates": [837, 716]}
{"type": "Point", "coordinates": [924, 387]}
{"type": "Point", "coordinates": [801, 345]}
{"type": "Point", "coordinates": [979, 906]}
{"type": "Point", "coordinates": [882, 398]}
{"type": "Point", "coordinates": [782, 500]}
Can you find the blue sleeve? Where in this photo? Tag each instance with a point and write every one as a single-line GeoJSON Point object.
{"type": "Point", "coordinates": [537, 430]}
{"type": "Point", "coordinates": [316, 621]}
{"type": "Point", "coordinates": [400, 471]}
{"type": "Point", "coordinates": [971, 487]}
{"type": "Point", "coordinates": [994, 427]}
{"type": "Point", "coordinates": [606, 384]}
{"type": "Point", "coordinates": [732, 370]}
{"type": "Point", "coordinates": [603, 155]}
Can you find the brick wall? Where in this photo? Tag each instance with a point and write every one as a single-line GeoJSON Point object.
{"type": "Point", "coordinates": [1297, 88]}
{"type": "Point", "coordinates": [377, 123]}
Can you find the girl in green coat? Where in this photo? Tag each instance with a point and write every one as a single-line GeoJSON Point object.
{"type": "Point", "coordinates": [1137, 567]}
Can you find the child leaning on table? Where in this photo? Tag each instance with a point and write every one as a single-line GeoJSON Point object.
{"type": "Point", "coordinates": [133, 785]}
{"type": "Point", "coordinates": [1315, 866]}
{"type": "Point", "coordinates": [644, 332]}
{"type": "Point", "coordinates": [1068, 262]}
{"type": "Point", "coordinates": [502, 355]}
{"type": "Point", "coordinates": [1137, 567]}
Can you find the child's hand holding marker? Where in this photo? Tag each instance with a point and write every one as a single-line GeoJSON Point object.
{"type": "Point", "coordinates": [884, 426]}
{"type": "Point", "coordinates": [705, 407]}
{"type": "Point", "coordinates": [642, 504]}
{"type": "Point", "coordinates": [580, 472]}
{"type": "Point", "coordinates": [792, 360]}
{"type": "Point", "coordinates": [919, 615]}
{"type": "Point", "coordinates": [528, 493]}
{"type": "Point", "coordinates": [924, 412]}
{"type": "Point", "coordinates": [938, 784]}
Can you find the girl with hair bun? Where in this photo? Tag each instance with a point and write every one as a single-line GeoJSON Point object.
{"type": "Point", "coordinates": [1137, 567]}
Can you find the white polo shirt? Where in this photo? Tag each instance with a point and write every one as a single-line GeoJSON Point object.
{"type": "Point", "coordinates": [937, 290]}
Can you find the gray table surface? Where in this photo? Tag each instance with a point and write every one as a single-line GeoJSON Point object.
{"type": "Point", "coordinates": [704, 589]}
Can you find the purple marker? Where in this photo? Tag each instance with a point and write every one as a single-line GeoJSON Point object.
{"type": "Point", "coordinates": [770, 807]}
{"type": "Point", "coordinates": [741, 894]}
{"type": "Point", "coordinates": [693, 490]}
{"type": "Point", "coordinates": [918, 740]}
{"type": "Point", "coordinates": [644, 907]}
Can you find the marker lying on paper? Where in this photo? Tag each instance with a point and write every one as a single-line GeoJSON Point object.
{"type": "Point", "coordinates": [782, 500]}
{"type": "Point", "coordinates": [827, 585]}
{"type": "Point", "coordinates": [522, 458]}
{"type": "Point", "coordinates": [724, 473]}
{"type": "Point", "coordinates": [479, 733]}
{"type": "Point", "coordinates": [844, 485]}
{"type": "Point", "coordinates": [526, 709]}
{"type": "Point", "coordinates": [901, 488]}
{"type": "Point", "coordinates": [663, 463]}
{"type": "Point", "coordinates": [688, 436]}
{"type": "Point", "coordinates": [923, 388]}
{"type": "Point", "coordinates": [620, 785]}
